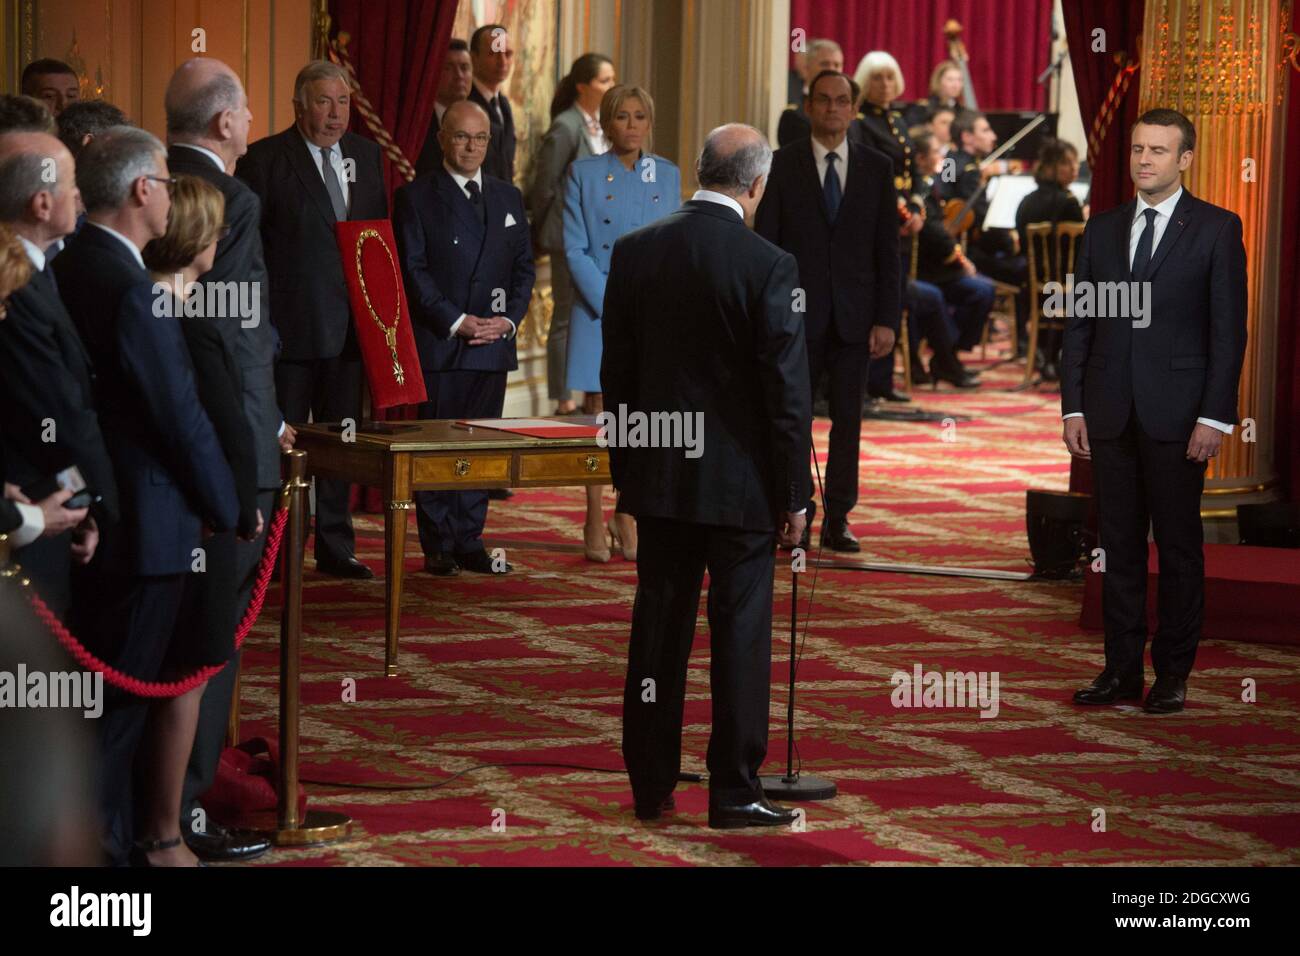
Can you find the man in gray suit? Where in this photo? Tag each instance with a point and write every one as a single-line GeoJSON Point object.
{"type": "Point", "coordinates": [207, 131]}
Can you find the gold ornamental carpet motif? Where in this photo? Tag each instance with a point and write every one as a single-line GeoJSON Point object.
{"type": "Point", "coordinates": [528, 668]}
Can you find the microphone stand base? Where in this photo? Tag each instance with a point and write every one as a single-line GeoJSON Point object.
{"type": "Point", "coordinates": [802, 787]}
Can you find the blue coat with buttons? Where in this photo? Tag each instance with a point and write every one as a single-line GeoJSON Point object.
{"type": "Point", "coordinates": [603, 201]}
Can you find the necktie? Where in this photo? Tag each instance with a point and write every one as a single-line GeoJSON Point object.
{"type": "Point", "coordinates": [332, 184]}
{"type": "Point", "coordinates": [496, 110]}
{"type": "Point", "coordinates": [476, 200]}
{"type": "Point", "coordinates": [1142, 258]}
{"type": "Point", "coordinates": [831, 187]}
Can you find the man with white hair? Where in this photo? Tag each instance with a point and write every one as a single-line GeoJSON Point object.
{"type": "Point", "coordinates": [207, 130]}
{"type": "Point", "coordinates": [821, 55]}
{"type": "Point", "coordinates": [171, 473]}
{"type": "Point", "coordinates": [308, 177]}
{"type": "Point", "coordinates": [720, 342]}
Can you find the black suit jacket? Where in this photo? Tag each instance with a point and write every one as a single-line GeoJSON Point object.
{"type": "Point", "coordinates": [500, 158]}
{"type": "Point", "coordinates": [254, 347]}
{"type": "Point", "coordinates": [697, 318]}
{"type": "Point", "coordinates": [794, 125]}
{"type": "Point", "coordinates": [1187, 362]}
{"type": "Point", "coordinates": [453, 264]}
{"type": "Point", "coordinates": [431, 153]}
{"type": "Point", "coordinates": [849, 269]}
{"type": "Point", "coordinates": [309, 296]}
{"type": "Point", "coordinates": [48, 377]}
{"type": "Point", "coordinates": [172, 475]}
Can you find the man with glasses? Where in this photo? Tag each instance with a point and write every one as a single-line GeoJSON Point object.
{"type": "Point", "coordinates": [831, 203]}
{"type": "Point", "coordinates": [170, 469]}
{"type": "Point", "coordinates": [309, 177]}
{"type": "Point", "coordinates": [467, 262]}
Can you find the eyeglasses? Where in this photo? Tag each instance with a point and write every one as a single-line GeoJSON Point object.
{"type": "Point", "coordinates": [171, 183]}
{"type": "Point", "coordinates": [478, 139]}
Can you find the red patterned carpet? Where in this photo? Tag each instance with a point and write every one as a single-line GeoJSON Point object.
{"type": "Point", "coordinates": [529, 668]}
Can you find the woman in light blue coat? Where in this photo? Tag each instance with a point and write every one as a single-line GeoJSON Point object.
{"type": "Point", "coordinates": [607, 196]}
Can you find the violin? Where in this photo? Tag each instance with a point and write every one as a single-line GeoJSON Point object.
{"type": "Point", "coordinates": [960, 216]}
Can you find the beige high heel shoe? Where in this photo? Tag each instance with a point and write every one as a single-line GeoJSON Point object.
{"type": "Point", "coordinates": [616, 540]}
{"type": "Point", "coordinates": [599, 554]}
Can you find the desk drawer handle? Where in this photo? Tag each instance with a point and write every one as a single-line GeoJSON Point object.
{"type": "Point", "coordinates": [462, 467]}
{"type": "Point", "coordinates": [592, 463]}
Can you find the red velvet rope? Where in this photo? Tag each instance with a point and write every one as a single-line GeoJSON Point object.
{"type": "Point", "coordinates": [174, 688]}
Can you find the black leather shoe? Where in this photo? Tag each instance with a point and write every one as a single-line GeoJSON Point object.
{"type": "Point", "coordinates": [500, 494]}
{"type": "Point", "coordinates": [480, 562]}
{"type": "Point", "coordinates": [442, 564]}
{"type": "Point", "coordinates": [346, 568]}
{"type": "Point", "coordinates": [890, 395]}
{"type": "Point", "coordinates": [1167, 696]}
{"type": "Point", "coordinates": [837, 536]}
{"type": "Point", "coordinates": [1110, 688]}
{"type": "Point", "coordinates": [919, 375]}
{"type": "Point", "coordinates": [225, 843]}
{"type": "Point", "coordinates": [653, 811]}
{"type": "Point", "coordinates": [757, 813]}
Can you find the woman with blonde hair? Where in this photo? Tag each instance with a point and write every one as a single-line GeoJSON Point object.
{"type": "Point", "coordinates": [607, 196]}
{"type": "Point", "coordinates": [206, 625]}
{"type": "Point", "coordinates": [15, 266]}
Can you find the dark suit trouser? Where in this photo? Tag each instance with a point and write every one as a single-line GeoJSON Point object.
{"type": "Point", "coordinates": [845, 365]}
{"type": "Point", "coordinates": [214, 710]}
{"type": "Point", "coordinates": [1145, 483]}
{"type": "Point", "coordinates": [47, 561]}
{"type": "Point", "coordinates": [1013, 270]}
{"type": "Point", "coordinates": [557, 337]}
{"type": "Point", "coordinates": [330, 389]}
{"type": "Point", "coordinates": [452, 521]}
{"type": "Point", "coordinates": [128, 622]}
{"type": "Point", "coordinates": [971, 298]}
{"type": "Point", "coordinates": [671, 559]}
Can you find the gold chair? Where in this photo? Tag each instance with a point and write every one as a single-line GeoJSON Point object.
{"type": "Point", "coordinates": [1042, 237]}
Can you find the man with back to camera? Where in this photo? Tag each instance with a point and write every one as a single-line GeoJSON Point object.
{"type": "Point", "coordinates": [1149, 398]}
{"type": "Point", "coordinates": [720, 341]}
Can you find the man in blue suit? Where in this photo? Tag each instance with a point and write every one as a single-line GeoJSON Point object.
{"type": "Point", "coordinates": [468, 268]}
{"type": "Point", "coordinates": [172, 477]}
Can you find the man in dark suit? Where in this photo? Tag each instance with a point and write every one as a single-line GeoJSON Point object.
{"type": "Point", "coordinates": [454, 84]}
{"type": "Point", "coordinates": [207, 131]}
{"type": "Point", "coordinates": [309, 177]}
{"type": "Point", "coordinates": [822, 55]}
{"type": "Point", "coordinates": [46, 394]}
{"type": "Point", "coordinates": [172, 476]}
{"type": "Point", "coordinates": [1148, 395]}
{"type": "Point", "coordinates": [467, 263]}
{"type": "Point", "coordinates": [831, 203]}
{"type": "Point", "coordinates": [698, 323]}
{"type": "Point", "coordinates": [493, 54]}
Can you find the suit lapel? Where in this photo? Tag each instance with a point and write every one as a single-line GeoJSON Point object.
{"type": "Point", "coordinates": [1124, 228]}
{"type": "Point", "coordinates": [1174, 230]}
{"type": "Point", "coordinates": [300, 158]}
{"type": "Point", "coordinates": [808, 175]}
{"type": "Point", "coordinates": [455, 198]}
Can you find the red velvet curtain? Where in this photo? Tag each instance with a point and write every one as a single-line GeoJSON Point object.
{"type": "Point", "coordinates": [1094, 73]}
{"type": "Point", "coordinates": [1008, 41]}
{"type": "Point", "coordinates": [1287, 432]}
{"type": "Point", "coordinates": [397, 47]}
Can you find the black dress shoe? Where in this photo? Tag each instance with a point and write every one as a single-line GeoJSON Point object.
{"type": "Point", "coordinates": [480, 563]}
{"type": "Point", "coordinates": [837, 536]}
{"type": "Point", "coordinates": [225, 843]}
{"type": "Point", "coordinates": [1110, 688]}
{"type": "Point", "coordinates": [442, 564]}
{"type": "Point", "coordinates": [958, 379]}
{"type": "Point", "coordinates": [653, 811]}
{"type": "Point", "coordinates": [756, 813]}
{"type": "Point", "coordinates": [1167, 696]}
{"type": "Point", "coordinates": [890, 395]}
{"type": "Point", "coordinates": [344, 568]}
{"type": "Point", "coordinates": [500, 494]}
{"type": "Point", "coordinates": [919, 375]}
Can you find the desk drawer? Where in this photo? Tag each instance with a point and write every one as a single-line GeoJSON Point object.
{"type": "Point", "coordinates": [471, 469]}
{"type": "Point", "coordinates": [556, 467]}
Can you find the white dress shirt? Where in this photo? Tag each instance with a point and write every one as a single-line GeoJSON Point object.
{"type": "Point", "coordinates": [488, 97]}
{"type": "Point", "coordinates": [34, 252]}
{"type": "Point", "coordinates": [135, 252]}
{"type": "Point", "coordinates": [460, 181]}
{"type": "Point", "coordinates": [841, 163]}
{"type": "Point", "coordinates": [215, 159]}
{"type": "Point", "coordinates": [33, 525]}
{"type": "Point", "coordinates": [336, 164]}
{"type": "Point", "coordinates": [1164, 211]}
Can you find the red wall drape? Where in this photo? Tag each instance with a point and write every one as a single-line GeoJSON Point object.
{"type": "Point", "coordinates": [1008, 41]}
{"type": "Point", "coordinates": [397, 48]}
{"type": "Point", "coordinates": [1287, 431]}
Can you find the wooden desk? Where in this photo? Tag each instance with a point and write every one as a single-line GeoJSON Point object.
{"type": "Point", "coordinates": [404, 457]}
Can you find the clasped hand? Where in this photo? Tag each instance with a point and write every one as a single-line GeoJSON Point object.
{"type": "Point", "coordinates": [480, 330]}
